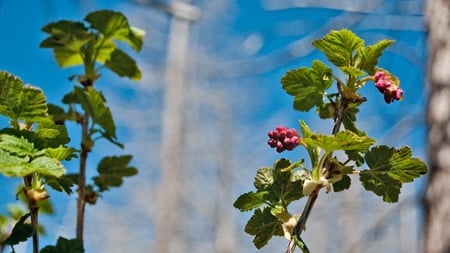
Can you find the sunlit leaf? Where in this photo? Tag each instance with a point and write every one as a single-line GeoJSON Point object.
{"type": "Point", "coordinates": [339, 46]}
{"type": "Point", "coordinates": [18, 146]}
{"type": "Point", "coordinates": [67, 39]}
{"type": "Point", "coordinates": [249, 201]}
{"type": "Point", "coordinates": [367, 57]}
{"type": "Point", "coordinates": [308, 85]}
{"type": "Point", "coordinates": [263, 178]}
{"type": "Point", "coordinates": [344, 140]}
{"type": "Point", "coordinates": [18, 101]}
{"type": "Point", "coordinates": [115, 25]}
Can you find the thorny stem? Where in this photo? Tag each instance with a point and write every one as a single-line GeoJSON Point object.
{"type": "Point", "coordinates": [301, 224]}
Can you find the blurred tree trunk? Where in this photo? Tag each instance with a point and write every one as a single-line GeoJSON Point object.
{"type": "Point", "coordinates": [437, 194]}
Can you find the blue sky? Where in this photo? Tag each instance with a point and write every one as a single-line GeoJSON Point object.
{"type": "Point", "coordinates": [248, 45]}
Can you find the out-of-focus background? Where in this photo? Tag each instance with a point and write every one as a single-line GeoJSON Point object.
{"type": "Point", "coordinates": [197, 122]}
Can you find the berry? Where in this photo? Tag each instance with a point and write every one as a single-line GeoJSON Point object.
{"type": "Point", "coordinates": [283, 138]}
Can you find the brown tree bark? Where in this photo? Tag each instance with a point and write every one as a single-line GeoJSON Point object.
{"type": "Point", "coordinates": [437, 194]}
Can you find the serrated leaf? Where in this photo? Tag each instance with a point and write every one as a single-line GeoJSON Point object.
{"type": "Point", "coordinates": [263, 225]}
{"type": "Point", "coordinates": [20, 233]}
{"type": "Point", "coordinates": [64, 245]}
{"type": "Point", "coordinates": [18, 101]}
{"type": "Point", "coordinates": [308, 85]}
{"type": "Point", "coordinates": [344, 140]}
{"type": "Point", "coordinates": [342, 184]}
{"type": "Point", "coordinates": [389, 168]}
{"type": "Point", "coordinates": [339, 46]}
{"type": "Point", "coordinates": [249, 201]}
{"type": "Point", "coordinates": [67, 39]}
{"type": "Point", "coordinates": [60, 184]}
{"type": "Point", "coordinates": [123, 65]}
{"type": "Point", "coordinates": [13, 166]}
{"type": "Point", "coordinates": [352, 71]}
{"type": "Point", "coordinates": [18, 146]}
{"type": "Point", "coordinates": [94, 105]}
{"type": "Point", "coordinates": [326, 111]}
{"type": "Point", "coordinates": [284, 190]}
{"type": "Point", "coordinates": [263, 178]}
{"type": "Point", "coordinates": [367, 57]}
{"type": "Point", "coordinates": [60, 153]}
{"type": "Point", "coordinates": [115, 25]}
{"type": "Point", "coordinates": [111, 170]}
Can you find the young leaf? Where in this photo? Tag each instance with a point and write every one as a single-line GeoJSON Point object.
{"type": "Point", "coordinates": [263, 225]}
{"type": "Point", "coordinates": [389, 168]}
{"type": "Point", "coordinates": [111, 171]}
{"type": "Point", "coordinates": [64, 245]}
{"type": "Point", "coordinates": [249, 201]}
{"type": "Point", "coordinates": [367, 57]}
{"type": "Point", "coordinates": [308, 85]}
{"type": "Point", "coordinates": [93, 104]}
{"type": "Point", "coordinates": [20, 233]}
{"type": "Point", "coordinates": [123, 65]}
{"type": "Point", "coordinates": [60, 153]}
{"type": "Point", "coordinates": [60, 184]}
{"type": "Point", "coordinates": [344, 140]}
{"type": "Point", "coordinates": [263, 178]}
{"type": "Point", "coordinates": [18, 146]}
{"type": "Point", "coordinates": [67, 39]}
{"type": "Point", "coordinates": [339, 46]}
{"type": "Point", "coordinates": [18, 101]}
{"type": "Point", "coordinates": [115, 25]}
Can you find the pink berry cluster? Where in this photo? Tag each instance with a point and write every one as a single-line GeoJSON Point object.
{"type": "Point", "coordinates": [387, 86]}
{"type": "Point", "coordinates": [283, 138]}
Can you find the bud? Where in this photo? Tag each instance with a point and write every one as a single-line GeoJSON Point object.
{"type": "Point", "coordinates": [386, 85]}
{"type": "Point", "coordinates": [283, 138]}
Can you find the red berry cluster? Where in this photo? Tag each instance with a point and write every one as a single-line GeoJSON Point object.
{"type": "Point", "coordinates": [387, 86]}
{"type": "Point", "coordinates": [283, 138]}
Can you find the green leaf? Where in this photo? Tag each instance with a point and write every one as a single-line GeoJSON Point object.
{"type": "Point", "coordinates": [352, 71]}
{"type": "Point", "coordinates": [344, 140]}
{"type": "Point", "coordinates": [47, 166]}
{"type": "Point", "coordinates": [342, 184]}
{"type": "Point", "coordinates": [60, 153]}
{"type": "Point", "coordinates": [94, 105]}
{"type": "Point", "coordinates": [13, 166]}
{"type": "Point", "coordinates": [249, 201]}
{"type": "Point", "coordinates": [18, 101]}
{"type": "Point", "coordinates": [68, 40]}
{"type": "Point", "coordinates": [64, 245]}
{"type": "Point", "coordinates": [389, 168]}
{"type": "Point", "coordinates": [263, 178]}
{"type": "Point", "coordinates": [111, 170]}
{"type": "Point", "coordinates": [115, 25]}
{"type": "Point", "coordinates": [18, 146]}
{"type": "Point", "coordinates": [123, 65]}
{"type": "Point", "coordinates": [60, 184]}
{"type": "Point", "coordinates": [339, 46]}
{"type": "Point", "coordinates": [326, 111]}
{"type": "Point", "coordinates": [263, 225]}
{"type": "Point", "coordinates": [308, 85]}
{"type": "Point", "coordinates": [367, 57]}
{"type": "Point", "coordinates": [20, 233]}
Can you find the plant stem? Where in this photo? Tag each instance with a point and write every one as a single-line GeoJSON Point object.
{"type": "Point", "coordinates": [301, 224]}
{"type": "Point", "coordinates": [81, 203]}
{"type": "Point", "coordinates": [34, 212]}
